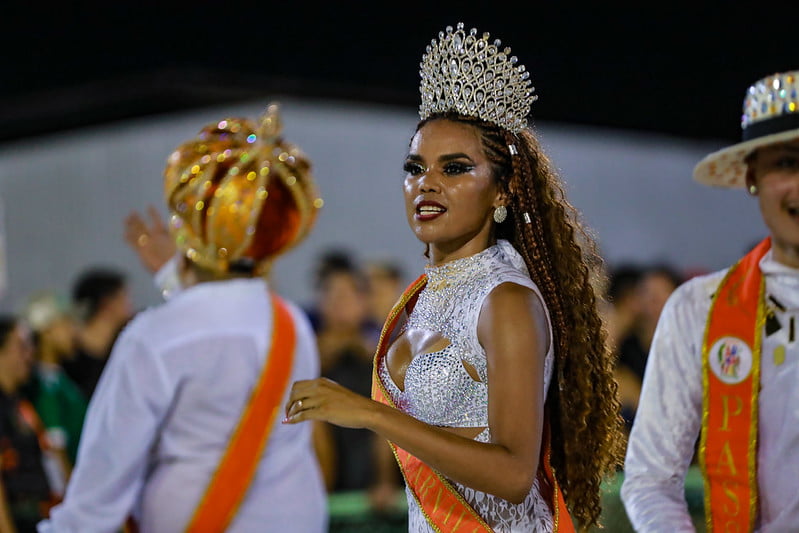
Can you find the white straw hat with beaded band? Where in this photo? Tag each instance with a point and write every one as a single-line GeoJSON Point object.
{"type": "Point", "coordinates": [770, 115]}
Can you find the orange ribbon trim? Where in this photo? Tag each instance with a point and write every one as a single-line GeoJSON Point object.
{"type": "Point", "coordinates": [235, 473]}
{"type": "Point", "coordinates": [550, 490]}
{"type": "Point", "coordinates": [731, 378]}
{"type": "Point", "coordinates": [443, 507]}
{"type": "Point", "coordinates": [28, 413]}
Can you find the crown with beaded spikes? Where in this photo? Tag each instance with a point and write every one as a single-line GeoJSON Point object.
{"type": "Point", "coordinates": [472, 76]}
{"type": "Point", "coordinates": [239, 194]}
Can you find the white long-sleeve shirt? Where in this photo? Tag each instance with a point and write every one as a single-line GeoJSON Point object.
{"type": "Point", "coordinates": [669, 417]}
{"type": "Point", "coordinates": [171, 395]}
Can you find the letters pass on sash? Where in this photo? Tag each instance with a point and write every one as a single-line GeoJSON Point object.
{"type": "Point", "coordinates": [443, 507]}
{"type": "Point", "coordinates": [731, 379]}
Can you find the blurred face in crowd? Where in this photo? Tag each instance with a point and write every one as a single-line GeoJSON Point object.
{"type": "Point", "coordinates": [630, 302]}
{"type": "Point", "coordinates": [119, 306]}
{"type": "Point", "coordinates": [61, 335]}
{"type": "Point", "coordinates": [16, 356]}
{"type": "Point", "coordinates": [775, 171]}
{"type": "Point", "coordinates": [654, 290]}
{"type": "Point", "coordinates": [450, 190]}
{"type": "Point", "coordinates": [384, 289]}
{"type": "Point", "coordinates": [343, 301]}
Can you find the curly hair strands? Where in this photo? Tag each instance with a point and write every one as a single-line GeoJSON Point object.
{"type": "Point", "coordinates": [582, 404]}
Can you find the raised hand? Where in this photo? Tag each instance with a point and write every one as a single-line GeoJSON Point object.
{"type": "Point", "coordinates": [151, 242]}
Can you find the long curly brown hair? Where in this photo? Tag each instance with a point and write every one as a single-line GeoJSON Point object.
{"type": "Point", "coordinates": [582, 403]}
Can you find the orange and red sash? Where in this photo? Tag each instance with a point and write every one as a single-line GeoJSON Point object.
{"type": "Point", "coordinates": [442, 505]}
{"type": "Point", "coordinates": [731, 381]}
{"type": "Point", "coordinates": [232, 478]}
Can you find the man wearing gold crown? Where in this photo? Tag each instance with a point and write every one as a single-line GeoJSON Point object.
{"type": "Point", "coordinates": [724, 361]}
{"type": "Point", "coordinates": [182, 434]}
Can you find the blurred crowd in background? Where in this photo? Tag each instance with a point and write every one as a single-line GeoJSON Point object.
{"type": "Point", "coordinates": [53, 351]}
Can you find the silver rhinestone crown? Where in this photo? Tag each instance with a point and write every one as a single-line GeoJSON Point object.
{"type": "Point", "coordinates": [474, 77]}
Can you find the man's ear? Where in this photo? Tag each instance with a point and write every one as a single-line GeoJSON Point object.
{"type": "Point", "coordinates": [751, 184]}
{"type": "Point", "coordinates": [750, 172]}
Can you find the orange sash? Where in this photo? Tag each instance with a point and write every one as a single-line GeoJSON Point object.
{"type": "Point", "coordinates": [731, 380]}
{"type": "Point", "coordinates": [232, 479]}
{"type": "Point", "coordinates": [443, 507]}
{"type": "Point", "coordinates": [29, 415]}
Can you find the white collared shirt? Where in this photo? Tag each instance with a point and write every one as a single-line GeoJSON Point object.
{"type": "Point", "coordinates": [163, 411]}
{"type": "Point", "coordinates": [669, 417]}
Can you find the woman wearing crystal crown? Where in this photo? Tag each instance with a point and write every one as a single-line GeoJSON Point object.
{"type": "Point", "coordinates": [724, 361]}
{"type": "Point", "coordinates": [492, 381]}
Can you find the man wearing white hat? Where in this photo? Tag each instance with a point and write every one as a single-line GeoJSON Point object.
{"type": "Point", "coordinates": [724, 362]}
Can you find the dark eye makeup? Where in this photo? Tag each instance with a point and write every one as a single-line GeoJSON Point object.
{"type": "Point", "coordinates": [455, 168]}
{"type": "Point", "coordinates": [413, 168]}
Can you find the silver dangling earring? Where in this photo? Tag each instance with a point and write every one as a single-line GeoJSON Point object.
{"type": "Point", "coordinates": [500, 214]}
{"type": "Point", "coordinates": [753, 190]}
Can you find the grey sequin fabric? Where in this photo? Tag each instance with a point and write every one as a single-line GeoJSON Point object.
{"type": "Point", "coordinates": [438, 388]}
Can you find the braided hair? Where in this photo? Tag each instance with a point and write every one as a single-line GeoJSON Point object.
{"type": "Point", "coordinates": [582, 405]}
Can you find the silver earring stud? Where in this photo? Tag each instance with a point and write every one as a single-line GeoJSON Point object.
{"type": "Point", "coordinates": [500, 214]}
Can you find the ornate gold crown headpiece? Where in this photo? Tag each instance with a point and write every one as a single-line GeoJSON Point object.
{"type": "Point", "coordinates": [239, 194]}
{"type": "Point", "coordinates": [471, 76]}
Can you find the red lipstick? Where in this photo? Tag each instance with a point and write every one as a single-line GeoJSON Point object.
{"type": "Point", "coordinates": [428, 210]}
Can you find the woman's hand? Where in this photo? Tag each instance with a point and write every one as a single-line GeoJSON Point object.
{"type": "Point", "coordinates": [323, 399]}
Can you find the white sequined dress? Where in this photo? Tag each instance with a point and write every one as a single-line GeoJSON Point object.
{"type": "Point", "coordinates": [438, 389]}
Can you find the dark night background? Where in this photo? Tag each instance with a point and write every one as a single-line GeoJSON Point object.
{"type": "Point", "coordinates": [674, 68]}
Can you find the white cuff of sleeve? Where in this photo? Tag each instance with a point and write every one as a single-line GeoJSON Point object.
{"type": "Point", "coordinates": [167, 280]}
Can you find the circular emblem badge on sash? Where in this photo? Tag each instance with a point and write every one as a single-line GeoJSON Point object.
{"type": "Point", "coordinates": [731, 360]}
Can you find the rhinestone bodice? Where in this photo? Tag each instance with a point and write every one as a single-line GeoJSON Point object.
{"type": "Point", "coordinates": [438, 388]}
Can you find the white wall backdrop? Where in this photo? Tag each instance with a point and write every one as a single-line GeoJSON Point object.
{"type": "Point", "coordinates": [64, 196]}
